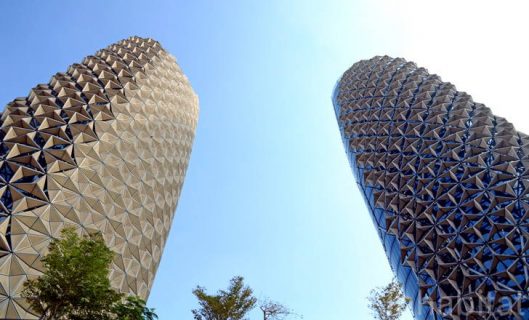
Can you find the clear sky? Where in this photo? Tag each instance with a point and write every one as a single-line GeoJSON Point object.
{"type": "Point", "coordinates": [269, 194]}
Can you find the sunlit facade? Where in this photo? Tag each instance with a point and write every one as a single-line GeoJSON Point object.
{"type": "Point", "coordinates": [103, 147]}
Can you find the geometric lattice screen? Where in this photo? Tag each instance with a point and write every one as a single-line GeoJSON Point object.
{"type": "Point", "coordinates": [101, 147]}
{"type": "Point", "coordinates": [447, 185]}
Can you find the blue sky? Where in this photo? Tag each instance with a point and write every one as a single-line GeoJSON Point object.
{"type": "Point", "coordinates": [269, 194]}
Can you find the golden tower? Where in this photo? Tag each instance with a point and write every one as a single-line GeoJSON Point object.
{"type": "Point", "coordinates": [102, 147]}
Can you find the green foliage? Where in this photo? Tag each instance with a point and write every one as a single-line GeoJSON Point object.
{"type": "Point", "coordinates": [76, 286]}
{"type": "Point", "coordinates": [232, 304]}
{"type": "Point", "coordinates": [76, 282]}
{"type": "Point", "coordinates": [389, 302]}
{"type": "Point", "coordinates": [134, 309]}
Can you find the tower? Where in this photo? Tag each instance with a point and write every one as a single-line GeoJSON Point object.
{"type": "Point", "coordinates": [446, 183]}
{"type": "Point", "coordinates": [102, 147]}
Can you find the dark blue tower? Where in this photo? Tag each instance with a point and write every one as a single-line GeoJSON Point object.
{"type": "Point", "coordinates": [447, 185]}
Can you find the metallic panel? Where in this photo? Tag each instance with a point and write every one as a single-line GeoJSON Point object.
{"type": "Point", "coordinates": [446, 182]}
{"type": "Point", "coordinates": [102, 147]}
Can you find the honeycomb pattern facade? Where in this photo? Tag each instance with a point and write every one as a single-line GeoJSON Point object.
{"type": "Point", "coordinates": [447, 185]}
{"type": "Point", "coordinates": [101, 147]}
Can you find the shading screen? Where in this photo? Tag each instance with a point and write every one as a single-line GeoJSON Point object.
{"type": "Point", "coordinates": [446, 183]}
{"type": "Point", "coordinates": [101, 147]}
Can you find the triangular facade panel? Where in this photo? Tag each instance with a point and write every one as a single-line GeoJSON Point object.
{"type": "Point", "coordinates": [102, 147]}
{"type": "Point", "coordinates": [447, 185]}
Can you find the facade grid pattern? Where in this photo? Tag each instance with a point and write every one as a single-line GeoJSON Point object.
{"type": "Point", "coordinates": [103, 147]}
{"type": "Point", "coordinates": [447, 185]}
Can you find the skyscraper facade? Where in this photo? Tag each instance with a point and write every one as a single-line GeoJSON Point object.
{"type": "Point", "coordinates": [447, 185]}
{"type": "Point", "coordinates": [102, 147]}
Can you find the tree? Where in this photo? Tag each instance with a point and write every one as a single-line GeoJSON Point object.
{"type": "Point", "coordinates": [134, 309]}
{"type": "Point", "coordinates": [225, 305]}
{"type": "Point", "coordinates": [274, 310]}
{"type": "Point", "coordinates": [75, 284]}
{"type": "Point", "coordinates": [389, 302]}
